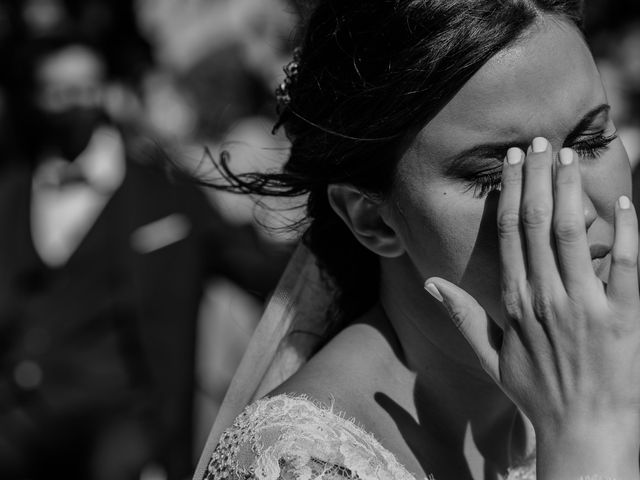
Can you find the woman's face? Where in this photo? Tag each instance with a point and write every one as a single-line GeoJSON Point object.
{"type": "Point", "coordinates": [443, 203]}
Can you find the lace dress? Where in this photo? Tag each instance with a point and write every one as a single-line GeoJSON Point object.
{"type": "Point", "coordinates": [293, 438]}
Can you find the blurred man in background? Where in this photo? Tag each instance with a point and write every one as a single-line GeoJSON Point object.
{"type": "Point", "coordinates": [102, 262]}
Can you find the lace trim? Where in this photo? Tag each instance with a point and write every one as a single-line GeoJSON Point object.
{"type": "Point", "coordinates": [293, 437]}
{"type": "Point", "coordinates": [288, 437]}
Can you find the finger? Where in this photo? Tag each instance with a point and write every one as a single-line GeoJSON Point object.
{"type": "Point", "coordinates": [471, 319]}
{"type": "Point", "coordinates": [511, 242]}
{"type": "Point", "coordinates": [569, 226]}
{"type": "Point", "coordinates": [536, 213]}
{"type": "Point", "coordinates": [623, 275]}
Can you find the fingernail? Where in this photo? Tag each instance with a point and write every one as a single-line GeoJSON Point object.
{"type": "Point", "coordinates": [539, 144]}
{"type": "Point", "coordinates": [624, 203]}
{"type": "Point", "coordinates": [566, 156]}
{"type": "Point", "coordinates": [433, 290]}
{"type": "Point", "coordinates": [514, 155]}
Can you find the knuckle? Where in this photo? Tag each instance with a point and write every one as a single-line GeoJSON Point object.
{"type": "Point", "coordinates": [460, 317]}
{"type": "Point", "coordinates": [569, 228]}
{"type": "Point", "coordinates": [536, 216]}
{"type": "Point", "coordinates": [538, 161]}
{"type": "Point", "coordinates": [569, 178]}
{"type": "Point", "coordinates": [508, 222]}
{"type": "Point", "coordinates": [512, 179]}
{"type": "Point", "coordinates": [624, 260]}
{"type": "Point", "coordinates": [542, 304]}
{"type": "Point", "coordinates": [512, 304]}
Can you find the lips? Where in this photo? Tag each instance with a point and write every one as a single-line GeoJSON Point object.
{"type": "Point", "coordinates": [599, 250]}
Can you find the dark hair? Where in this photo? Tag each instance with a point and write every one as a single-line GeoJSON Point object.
{"type": "Point", "coordinates": [369, 73]}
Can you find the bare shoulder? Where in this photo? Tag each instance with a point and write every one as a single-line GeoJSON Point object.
{"type": "Point", "coordinates": [357, 362]}
{"type": "Point", "coordinates": [359, 373]}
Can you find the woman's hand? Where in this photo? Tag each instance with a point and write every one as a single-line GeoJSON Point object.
{"type": "Point", "coordinates": [570, 350]}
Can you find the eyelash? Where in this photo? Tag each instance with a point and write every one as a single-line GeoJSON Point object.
{"type": "Point", "coordinates": [593, 147]}
{"type": "Point", "coordinates": [590, 148]}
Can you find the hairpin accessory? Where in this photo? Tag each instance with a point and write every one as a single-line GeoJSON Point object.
{"type": "Point", "coordinates": [291, 71]}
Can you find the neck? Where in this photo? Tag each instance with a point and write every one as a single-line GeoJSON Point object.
{"type": "Point", "coordinates": [451, 389]}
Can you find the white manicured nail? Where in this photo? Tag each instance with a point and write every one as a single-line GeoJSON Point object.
{"type": "Point", "coordinates": [514, 156]}
{"type": "Point", "coordinates": [624, 203]}
{"type": "Point", "coordinates": [539, 144]}
{"type": "Point", "coordinates": [433, 290]}
{"type": "Point", "coordinates": [566, 156]}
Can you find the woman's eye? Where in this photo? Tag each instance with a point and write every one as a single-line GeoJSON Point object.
{"type": "Point", "coordinates": [593, 147]}
{"type": "Point", "coordinates": [484, 183]}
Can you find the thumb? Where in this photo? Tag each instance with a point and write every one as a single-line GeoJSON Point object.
{"type": "Point", "coordinates": [470, 318]}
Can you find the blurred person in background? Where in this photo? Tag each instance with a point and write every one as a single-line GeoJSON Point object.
{"type": "Point", "coordinates": [101, 271]}
{"type": "Point", "coordinates": [217, 63]}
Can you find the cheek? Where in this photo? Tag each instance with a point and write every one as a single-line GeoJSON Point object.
{"type": "Point", "coordinates": [453, 235]}
{"type": "Point", "coordinates": [447, 233]}
{"type": "Point", "coordinates": [606, 178]}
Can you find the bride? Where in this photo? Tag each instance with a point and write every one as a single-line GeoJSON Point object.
{"type": "Point", "coordinates": [465, 148]}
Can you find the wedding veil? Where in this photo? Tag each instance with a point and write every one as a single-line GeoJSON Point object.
{"type": "Point", "coordinates": [288, 333]}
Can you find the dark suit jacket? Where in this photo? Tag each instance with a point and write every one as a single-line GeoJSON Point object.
{"type": "Point", "coordinates": [113, 329]}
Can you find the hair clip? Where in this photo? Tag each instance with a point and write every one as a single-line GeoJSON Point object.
{"type": "Point", "coordinates": [283, 95]}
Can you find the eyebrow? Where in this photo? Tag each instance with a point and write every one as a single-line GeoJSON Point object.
{"type": "Point", "coordinates": [586, 121]}
{"type": "Point", "coordinates": [499, 149]}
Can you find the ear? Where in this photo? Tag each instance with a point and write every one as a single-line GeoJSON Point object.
{"type": "Point", "coordinates": [363, 216]}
